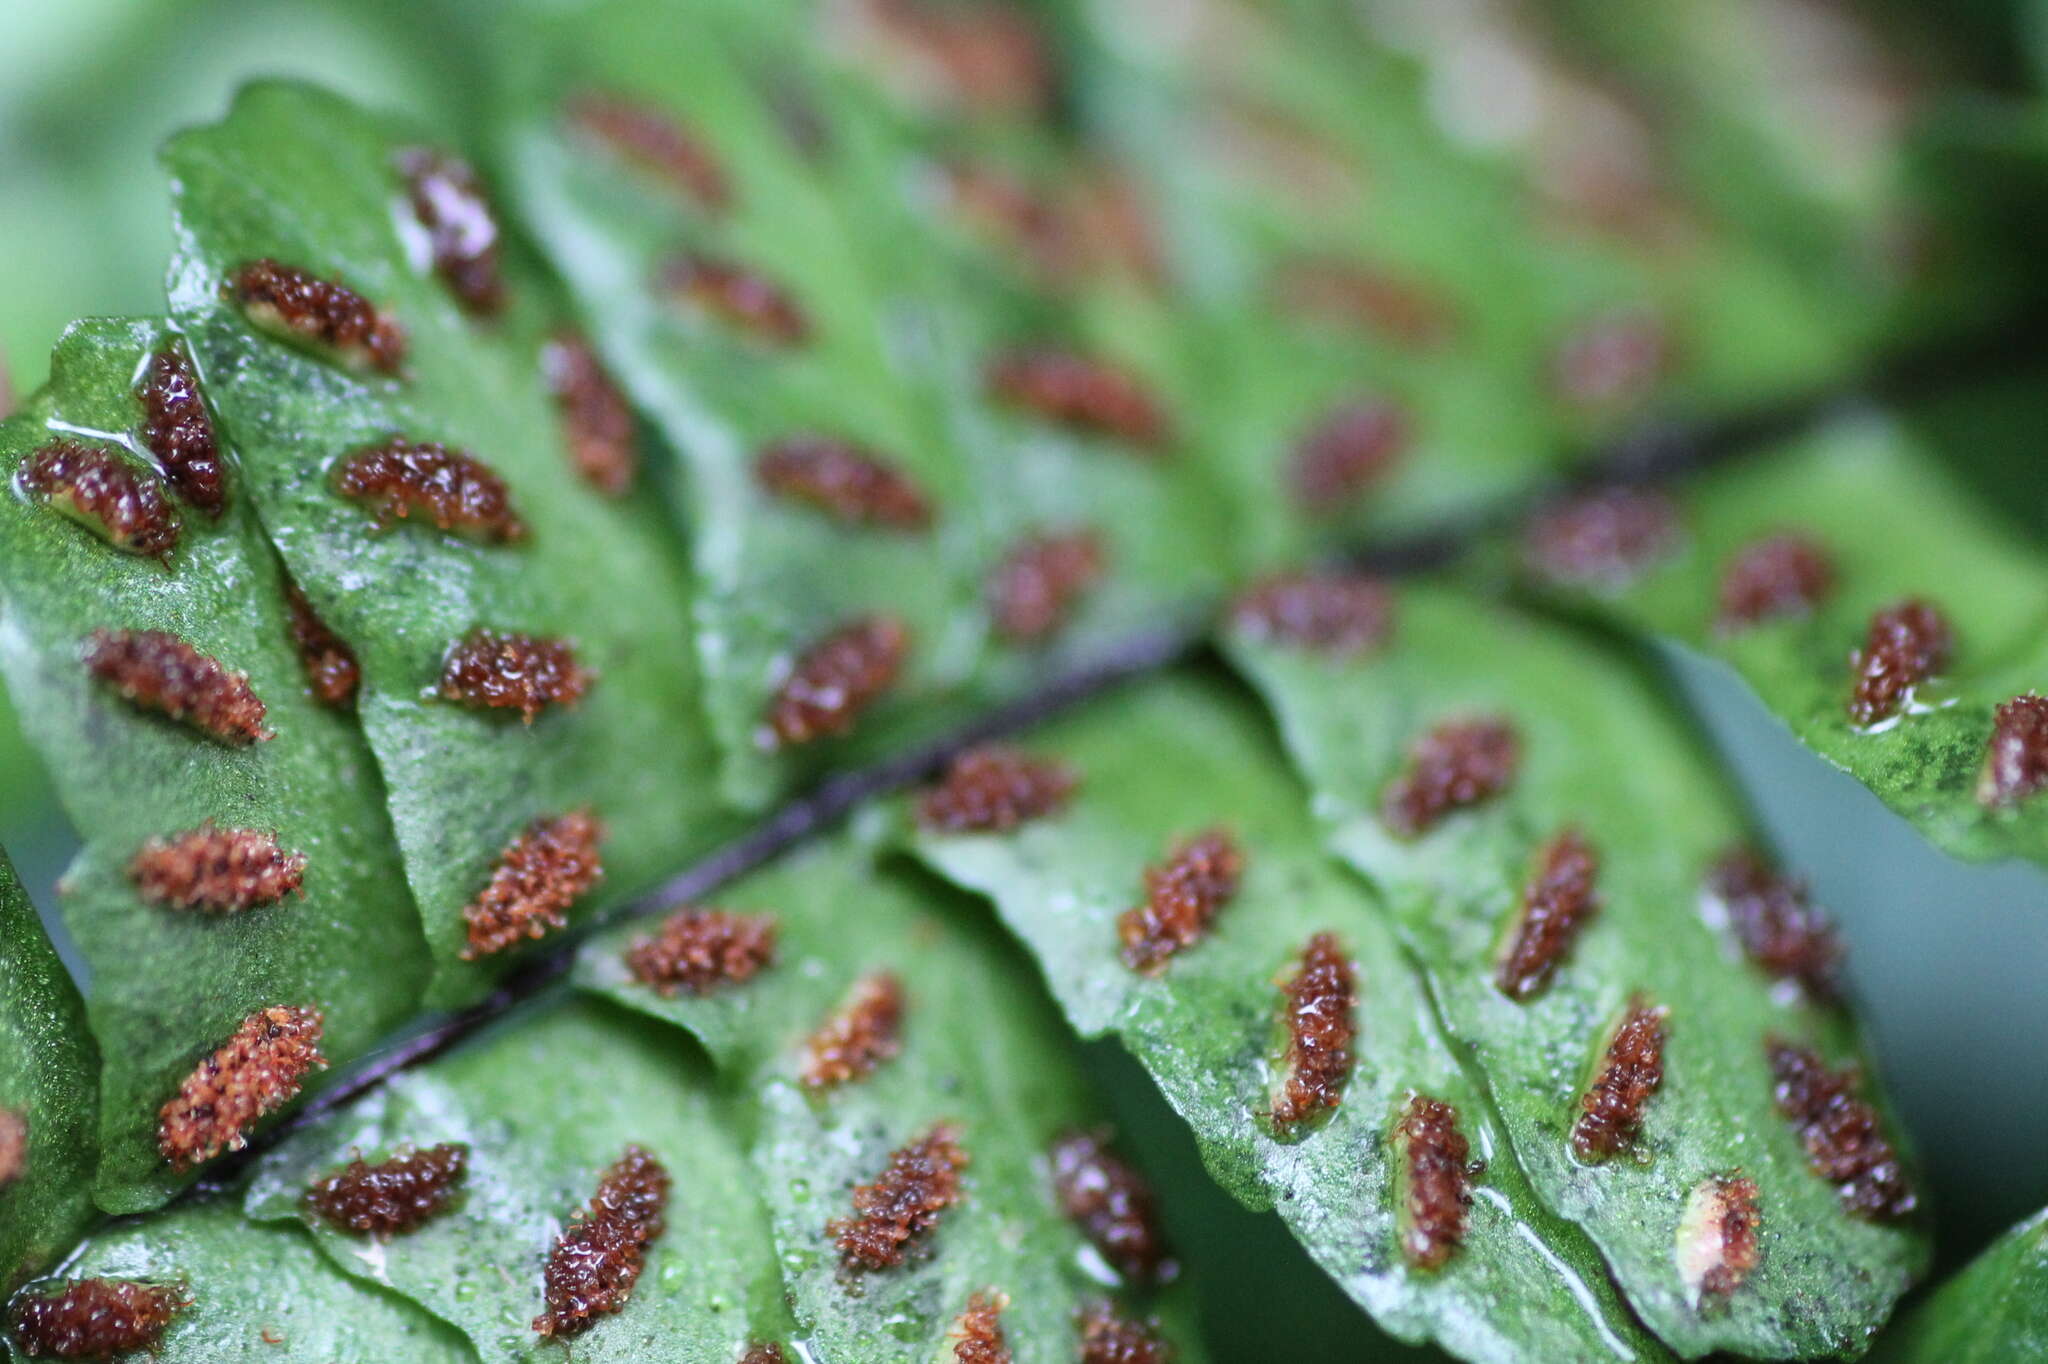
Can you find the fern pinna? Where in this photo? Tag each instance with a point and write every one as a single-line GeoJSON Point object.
{"type": "Point", "coordinates": [451, 625]}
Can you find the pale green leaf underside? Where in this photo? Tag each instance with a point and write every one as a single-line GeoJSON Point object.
{"type": "Point", "coordinates": [1599, 752]}
{"type": "Point", "coordinates": [1164, 763]}
{"type": "Point", "coordinates": [1896, 527]}
{"type": "Point", "coordinates": [308, 179]}
{"type": "Point", "coordinates": [980, 1049]}
{"type": "Point", "coordinates": [173, 985]}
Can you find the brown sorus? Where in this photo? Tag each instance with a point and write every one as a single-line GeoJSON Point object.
{"type": "Point", "coordinates": [158, 671]}
{"type": "Point", "coordinates": [539, 875]}
{"type": "Point", "coordinates": [1437, 1171]}
{"type": "Point", "coordinates": [978, 1331]}
{"type": "Point", "coordinates": [1016, 214]}
{"type": "Point", "coordinates": [1906, 644]}
{"type": "Point", "coordinates": [1037, 584]}
{"type": "Point", "coordinates": [122, 504]}
{"type": "Point", "coordinates": [1611, 1116]}
{"type": "Point", "coordinates": [833, 682]}
{"type": "Point", "coordinates": [452, 488]}
{"type": "Point", "coordinates": [697, 949]}
{"type": "Point", "coordinates": [844, 480]}
{"type": "Point", "coordinates": [97, 1318]}
{"type": "Point", "coordinates": [1613, 360]}
{"type": "Point", "coordinates": [486, 670]}
{"type": "Point", "coordinates": [767, 1352]}
{"type": "Point", "coordinates": [1319, 610]}
{"type": "Point", "coordinates": [1455, 764]}
{"type": "Point", "coordinates": [744, 300]}
{"type": "Point", "coordinates": [1781, 575]}
{"type": "Point", "coordinates": [993, 789]}
{"type": "Point", "coordinates": [985, 57]}
{"type": "Point", "coordinates": [1556, 902]}
{"type": "Point", "coordinates": [1373, 300]}
{"type": "Point", "coordinates": [596, 419]}
{"type": "Point", "coordinates": [13, 1145]}
{"type": "Point", "coordinates": [1321, 1017]}
{"type": "Point", "coordinates": [1603, 539]}
{"type": "Point", "coordinates": [219, 871]}
{"type": "Point", "coordinates": [651, 139]}
{"type": "Point", "coordinates": [903, 1203]}
{"type": "Point", "coordinates": [1113, 1205]}
{"type": "Point", "coordinates": [331, 668]}
{"type": "Point", "coordinates": [448, 199]}
{"type": "Point", "coordinates": [1108, 1337]}
{"type": "Point", "coordinates": [1081, 393]}
{"type": "Point", "coordinates": [393, 1196]}
{"type": "Point", "coordinates": [179, 431]}
{"type": "Point", "coordinates": [598, 1257]}
{"type": "Point", "coordinates": [1844, 1141]}
{"type": "Point", "coordinates": [1776, 926]}
{"type": "Point", "coordinates": [861, 1034]}
{"type": "Point", "coordinates": [284, 298]}
{"type": "Point", "coordinates": [252, 1074]}
{"type": "Point", "coordinates": [1717, 1237]}
{"type": "Point", "coordinates": [1183, 896]}
{"type": "Point", "coordinates": [1351, 448]}
{"type": "Point", "coordinates": [2016, 759]}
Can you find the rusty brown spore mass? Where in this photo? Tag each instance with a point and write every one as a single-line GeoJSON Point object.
{"type": "Point", "coordinates": [1718, 1242]}
{"type": "Point", "coordinates": [994, 789]}
{"type": "Point", "coordinates": [598, 1258]}
{"type": "Point", "coordinates": [97, 1318]}
{"type": "Point", "coordinates": [1603, 540]}
{"type": "Point", "coordinates": [597, 421]}
{"type": "Point", "coordinates": [1556, 903]}
{"type": "Point", "coordinates": [903, 1204]}
{"type": "Point", "coordinates": [1455, 765]}
{"type": "Point", "coordinates": [251, 1075]}
{"type": "Point", "coordinates": [452, 488]}
{"type": "Point", "coordinates": [1437, 1169]}
{"type": "Point", "coordinates": [1320, 611]}
{"type": "Point", "coordinates": [284, 298]}
{"type": "Point", "coordinates": [1845, 1142]}
{"type": "Point", "coordinates": [1108, 1337]}
{"type": "Point", "coordinates": [978, 1331]}
{"type": "Point", "coordinates": [13, 1145]}
{"type": "Point", "coordinates": [551, 865]}
{"type": "Point", "coordinates": [156, 670]}
{"type": "Point", "coordinates": [655, 141]}
{"type": "Point", "coordinates": [330, 665]}
{"type": "Point", "coordinates": [2016, 758]}
{"type": "Point", "coordinates": [1321, 1015]}
{"type": "Point", "coordinates": [1114, 1206]}
{"type": "Point", "coordinates": [1779, 576]}
{"type": "Point", "coordinates": [1039, 582]}
{"type": "Point", "coordinates": [1906, 644]}
{"type": "Point", "coordinates": [1082, 394]}
{"type": "Point", "coordinates": [696, 950]}
{"type": "Point", "coordinates": [832, 683]}
{"type": "Point", "coordinates": [122, 504]}
{"type": "Point", "coordinates": [1777, 928]}
{"type": "Point", "coordinates": [1611, 1117]}
{"type": "Point", "coordinates": [179, 431]}
{"type": "Point", "coordinates": [843, 479]}
{"type": "Point", "coordinates": [744, 301]}
{"type": "Point", "coordinates": [1183, 896]}
{"type": "Point", "coordinates": [863, 1032]}
{"type": "Point", "coordinates": [216, 870]}
{"type": "Point", "coordinates": [1350, 449]}
{"type": "Point", "coordinates": [393, 1196]}
{"type": "Point", "coordinates": [448, 199]}
{"type": "Point", "coordinates": [489, 670]}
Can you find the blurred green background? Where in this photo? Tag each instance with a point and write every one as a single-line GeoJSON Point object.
{"type": "Point", "coordinates": [1950, 961]}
